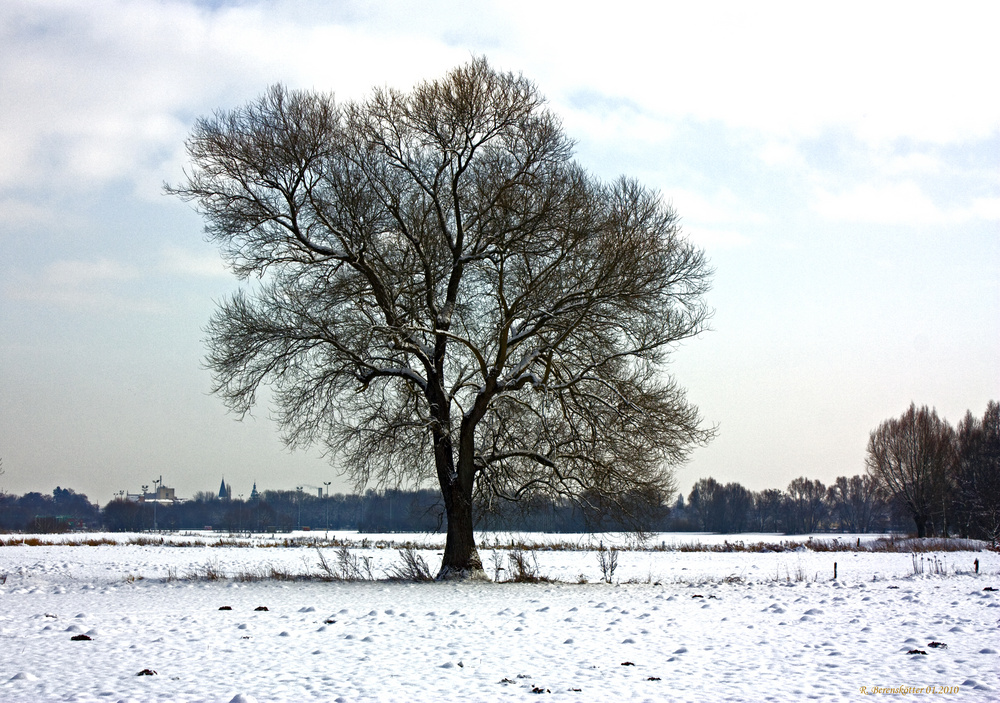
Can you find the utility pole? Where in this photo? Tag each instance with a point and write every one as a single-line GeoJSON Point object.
{"type": "Point", "coordinates": [326, 505]}
{"type": "Point", "coordinates": [299, 489]}
{"type": "Point", "coordinates": [156, 498]}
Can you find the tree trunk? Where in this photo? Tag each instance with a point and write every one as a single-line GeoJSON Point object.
{"type": "Point", "coordinates": [921, 525]}
{"type": "Point", "coordinates": [461, 558]}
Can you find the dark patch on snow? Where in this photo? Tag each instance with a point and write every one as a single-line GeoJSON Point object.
{"type": "Point", "coordinates": [917, 651]}
{"type": "Point", "coordinates": [261, 608]}
{"type": "Point", "coordinates": [146, 672]}
{"type": "Point", "coordinates": [81, 638]}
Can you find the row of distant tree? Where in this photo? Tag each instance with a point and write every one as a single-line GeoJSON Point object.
{"type": "Point", "coordinates": [922, 475]}
{"type": "Point", "coordinates": [62, 511]}
{"type": "Point", "coordinates": [849, 505]}
{"type": "Point", "coordinates": [947, 479]}
{"type": "Point", "coordinates": [807, 506]}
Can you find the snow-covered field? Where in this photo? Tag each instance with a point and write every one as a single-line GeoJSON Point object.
{"type": "Point", "coordinates": [675, 625]}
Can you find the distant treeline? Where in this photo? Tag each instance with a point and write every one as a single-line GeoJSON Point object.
{"type": "Point", "coordinates": [852, 504]}
{"type": "Point", "coordinates": [849, 505]}
{"type": "Point", "coordinates": [857, 504]}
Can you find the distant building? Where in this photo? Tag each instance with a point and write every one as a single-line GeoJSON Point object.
{"type": "Point", "coordinates": [254, 495]}
{"type": "Point", "coordinates": [162, 494]}
{"type": "Point", "coordinates": [225, 490]}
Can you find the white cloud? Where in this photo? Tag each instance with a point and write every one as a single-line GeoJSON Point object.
{"type": "Point", "coordinates": [103, 284]}
{"type": "Point", "coordinates": [201, 264]}
{"type": "Point", "coordinates": [898, 204]}
{"type": "Point", "coordinates": [22, 213]}
{"type": "Point", "coordinates": [883, 70]}
{"type": "Point", "coordinates": [95, 91]}
{"type": "Point", "coordinates": [716, 239]}
{"type": "Point", "coordinates": [721, 206]}
{"type": "Point", "coordinates": [985, 208]}
{"type": "Point", "coordinates": [83, 273]}
{"type": "Point", "coordinates": [902, 203]}
{"type": "Point", "coordinates": [108, 282]}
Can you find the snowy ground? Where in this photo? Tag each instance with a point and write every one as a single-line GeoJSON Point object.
{"type": "Point", "coordinates": [676, 625]}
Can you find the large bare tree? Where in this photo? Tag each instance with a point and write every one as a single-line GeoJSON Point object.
{"type": "Point", "coordinates": [436, 290]}
{"type": "Point", "coordinates": [910, 457]}
{"type": "Point", "coordinates": [977, 473]}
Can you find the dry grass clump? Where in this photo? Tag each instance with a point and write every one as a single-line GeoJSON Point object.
{"type": "Point", "coordinates": [413, 567]}
{"type": "Point", "coordinates": [523, 568]}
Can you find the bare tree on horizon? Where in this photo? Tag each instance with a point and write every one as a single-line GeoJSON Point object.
{"type": "Point", "coordinates": [442, 294]}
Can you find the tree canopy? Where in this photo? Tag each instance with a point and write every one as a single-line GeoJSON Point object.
{"type": "Point", "coordinates": [439, 292]}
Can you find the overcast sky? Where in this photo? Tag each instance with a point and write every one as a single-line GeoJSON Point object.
{"type": "Point", "coordinates": [839, 162]}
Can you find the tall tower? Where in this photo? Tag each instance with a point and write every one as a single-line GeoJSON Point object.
{"type": "Point", "coordinates": [225, 492]}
